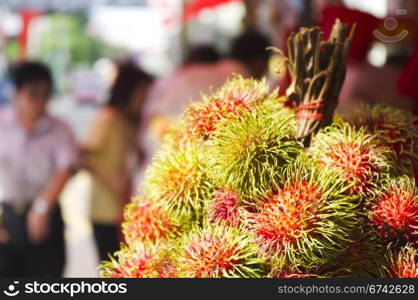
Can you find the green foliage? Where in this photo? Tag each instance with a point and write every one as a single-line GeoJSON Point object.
{"type": "Point", "coordinates": [67, 34]}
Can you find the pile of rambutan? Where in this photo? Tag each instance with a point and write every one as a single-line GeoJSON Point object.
{"type": "Point", "coordinates": [234, 193]}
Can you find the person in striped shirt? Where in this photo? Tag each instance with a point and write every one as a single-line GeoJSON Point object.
{"type": "Point", "coordinates": [38, 155]}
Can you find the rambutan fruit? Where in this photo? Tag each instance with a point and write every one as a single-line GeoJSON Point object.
{"type": "Point", "coordinates": [278, 270]}
{"type": "Point", "coordinates": [290, 274]}
{"type": "Point", "coordinates": [248, 153]}
{"type": "Point", "coordinates": [218, 251]}
{"type": "Point", "coordinates": [362, 257]}
{"type": "Point", "coordinates": [177, 136]}
{"type": "Point", "coordinates": [395, 213]}
{"type": "Point", "coordinates": [145, 221]}
{"type": "Point", "coordinates": [308, 220]}
{"type": "Point", "coordinates": [140, 262]}
{"type": "Point", "coordinates": [395, 128]}
{"type": "Point", "coordinates": [354, 154]}
{"type": "Point", "coordinates": [403, 263]}
{"type": "Point", "coordinates": [177, 180]}
{"type": "Point", "coordinates": [237, 95]}
{"type": "Point", "coordinates": [225, 206]}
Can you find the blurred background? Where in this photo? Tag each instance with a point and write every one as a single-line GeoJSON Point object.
{"type": "Point", "coordinates": [84, 41]}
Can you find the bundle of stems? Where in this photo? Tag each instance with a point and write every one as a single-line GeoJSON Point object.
{"type": "Point", "coordinates": [317, 70]}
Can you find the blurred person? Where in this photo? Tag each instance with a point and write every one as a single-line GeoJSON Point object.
{"type": "Point", "coordinates": [202, 54]}
{"type": "Point", "coordinates": [38, 155]}
{"type": "Point", "coordinates": [110, 155]}
{"type": "Point", "coordinates": [203, 69]}
{"type": "Point", "coordinates": [250, 49]}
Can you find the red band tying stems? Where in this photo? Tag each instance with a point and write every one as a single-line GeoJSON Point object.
{"type": "Point", "coordinates": [316, 104]}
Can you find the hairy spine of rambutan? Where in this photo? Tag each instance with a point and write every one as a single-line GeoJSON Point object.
{"type": "Point", "coordinates": [177, 180]}
{"type": "Point", "coordinates": [141, 262]}
{"type": "Point", "coordinates": [248, 153]}
{"type": "Point", "coordinates": [403, 263]}
{"type": "Point", "coordinates": [225, 206]}
{"type": "Point", "coordinates": [355, 155]}
{"type": "Point", "coordinates": [364, 256]}
{"type": "Point", "coordinates": [395, 128]}
{"type": "Point", "coordinates": [281, 270]}
{"type": "Point", "coordinates": [395, 213]}
{"type": "Point", "coordinates": [286, 274]}
{"type": "Point", "coordinates": [218, 250]}
{"type": "Point", "coordinates": [308, 221]}
{"type": "Point", "coordinates": [236, 96]}
{"type": "Point", "coordinates": [146, 222]}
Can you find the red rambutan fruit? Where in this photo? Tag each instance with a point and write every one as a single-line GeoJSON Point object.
{"type": "Point", "coordinates": [225, 206]}
{"type": "Point", "coordinates": [403, 263]}
{"type": "Point", "coordinates": [218, 250]}
{"type": "Point", "coordinates": [354, 154]}
{"type": "Point", "coordinates": [394, 128]}
{"type": "Point", "coordinates": [237, 95]}
{"type": "Point", "coordinates": [395, 213]}
{"type": "Point", "coordinates": [308, 220]}
{"type": "Point", "coordinates": [141, 262]}
{"type": "Point", "coordinates": [284, 272]}
{"type": "Point", "coordinates": [146, 221]}
{"type": "Point", "coordinates": [283, 216]}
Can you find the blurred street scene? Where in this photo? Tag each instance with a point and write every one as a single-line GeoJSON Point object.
{"type": "Point", "coordinates": [179, 48]}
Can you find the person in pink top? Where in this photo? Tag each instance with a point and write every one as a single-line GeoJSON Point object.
{"type": "Point", "coordinates": [38, 155]}
{"type": "Point", "coordinates": [202, 71]}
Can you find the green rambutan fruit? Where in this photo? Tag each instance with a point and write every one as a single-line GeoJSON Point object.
{"type": "Point", "coordinates": [236, 96]}
{"type": "Point", "coordinates": [177, 136]}
{"type": "Point", "coordinates": [145, 221]}
{"type": "Point", "coordinates": [226, 207]}
{"type": "Point", "coordinates": [177, 180]}
{"type": "Point", "coordinates": [395, 213]}
{"type": "Point", "coordinates": [247, 154]}
{"type": "Point", "coordinates": [279, 270]}
{"type": "Point", "coordinates": [288, 274]}
{"type": "Point", "coordinates": [141, 262]}
{"type": "Point", "coordinates": [362, 257]}
{"type": "Point", "coordinates": [354, 155]}
{"type": "Point", "coordinates": [218, 251]}
{"type": "Point", "coordinates": [308, 220]}
{"type": "Point", "coordinates": [395, 128]}
{"type": "Point", "coordinates": [403, 263]}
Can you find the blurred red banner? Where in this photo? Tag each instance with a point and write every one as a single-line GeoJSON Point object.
{"type": "Point", "coordinates": [193, 7]}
